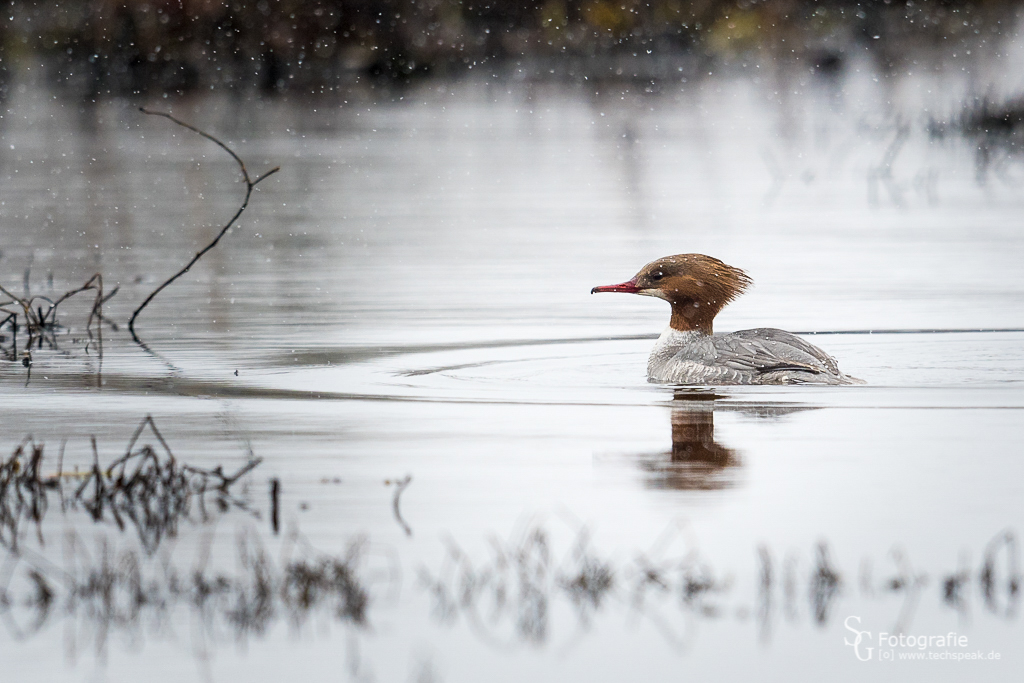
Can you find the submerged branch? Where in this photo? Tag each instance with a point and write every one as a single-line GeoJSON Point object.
{"type": "Point", "coordinates": [249, 185]}
{"type": "Point", "coordinates": [41, 323]}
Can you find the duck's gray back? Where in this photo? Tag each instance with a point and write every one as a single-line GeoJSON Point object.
{"type": "Point", "coordinates": [760, 356]}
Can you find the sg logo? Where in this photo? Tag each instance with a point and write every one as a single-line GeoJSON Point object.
{"type": "Point", "coordinates": [857, 641]}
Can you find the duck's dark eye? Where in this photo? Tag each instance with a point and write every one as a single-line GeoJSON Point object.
{"type": "Point", "coordinates": [656, 276]}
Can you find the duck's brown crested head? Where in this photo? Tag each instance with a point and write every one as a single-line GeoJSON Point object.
{"type": "Point", "coordinates": [697, 286]}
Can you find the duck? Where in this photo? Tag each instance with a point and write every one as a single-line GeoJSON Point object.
{"type": "Point", "coordinates": [689, 352]}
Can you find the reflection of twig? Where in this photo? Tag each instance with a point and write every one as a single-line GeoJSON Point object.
{"type": "Point", "coordinates": [764, 594]}
{"type": "Point", "coordinates": [909, 583]}
{"type": "Point", "coordinates": [400, 485]}
{"type": "Point", "coordinates": [865, 577]}
{"type": "Point", "coordinates": [925, 182]}
{"type": "Point", "coordinates": [778, 177]}
{"type": "Point", "coordinates": [882, 173]}
{"type": "Point", "coordinates": [174, 369]}
{"type": "Point", "coordinates": [825, 585]}
{"type": "Point", "coordinates": [249, 185]}
{"type": "Point", "coordinates": [953, 593]}
{"type": "Point", "coordinates": [110, 590]}
{"type": "Point", "coordinates": [990, 586]}
{"type": "Point", "coordinates": [151, 491]}
{"type": "Point", "coordinates": [589, 581]}
{"type": "Point", "coordinates": [22, 491]}
{"type": "Point", "coordinates": [511, 596]}
{"type": "Point", "coordinates": [995, 128]}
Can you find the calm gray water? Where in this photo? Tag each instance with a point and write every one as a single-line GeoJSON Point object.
{"type": "Point", "coordinates": [409, 297]}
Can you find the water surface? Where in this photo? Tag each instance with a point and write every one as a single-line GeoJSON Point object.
{"type": "Point", "coordinates": [409, 297]}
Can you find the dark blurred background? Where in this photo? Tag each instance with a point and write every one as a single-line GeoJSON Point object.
{"type": "Point", "coordinates": [104, 47]}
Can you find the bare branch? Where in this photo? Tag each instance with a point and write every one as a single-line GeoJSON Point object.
{"type": "Point", "coordinates": [249, 185]}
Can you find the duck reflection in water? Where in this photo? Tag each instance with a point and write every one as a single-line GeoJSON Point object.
{"type": "Point", "coordinates": [697, 462]}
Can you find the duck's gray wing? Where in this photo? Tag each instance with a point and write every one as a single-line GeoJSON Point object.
{"type": "Point", "coordinates": [766, 349]}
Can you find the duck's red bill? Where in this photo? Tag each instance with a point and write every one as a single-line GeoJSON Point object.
{"type": "Point", "coordinates": [627, 287]}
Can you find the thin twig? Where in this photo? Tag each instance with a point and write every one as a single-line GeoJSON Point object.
{"type": "Point", "coordinates": [249, 185]}
{"type": "Point", "coordinates": [400, 485]}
